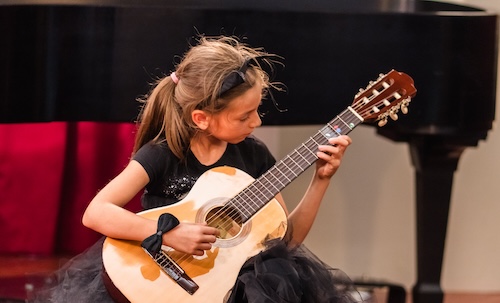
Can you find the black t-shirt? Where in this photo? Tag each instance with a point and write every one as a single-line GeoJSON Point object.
{"type": "Point", "coordinates": [171, 179]}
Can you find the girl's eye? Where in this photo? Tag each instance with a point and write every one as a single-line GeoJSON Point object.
{"type": "Point", "coordinates": [243, 119]}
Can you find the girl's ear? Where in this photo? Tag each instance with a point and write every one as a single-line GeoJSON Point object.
{"type": "Point", "coordinates": [200, 118]}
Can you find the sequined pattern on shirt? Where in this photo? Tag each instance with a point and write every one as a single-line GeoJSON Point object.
{"type": "Point", "coordinates": [178, 187]}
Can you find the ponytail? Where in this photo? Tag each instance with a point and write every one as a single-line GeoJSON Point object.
{"type": "Point", "coordinates": [161, 119]}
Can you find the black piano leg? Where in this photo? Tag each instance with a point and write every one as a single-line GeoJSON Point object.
{"type": "Point", "coordinates": [435, 165]}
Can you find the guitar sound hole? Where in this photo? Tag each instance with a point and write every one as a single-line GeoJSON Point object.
{"type": "Point", "coordinates": [227, 220]}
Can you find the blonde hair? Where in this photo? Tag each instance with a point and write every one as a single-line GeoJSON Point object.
{"type": "Point", "coordinates": [166, 113]}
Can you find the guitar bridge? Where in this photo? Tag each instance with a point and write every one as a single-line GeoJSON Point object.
{"type": "Point", "coordinates": [174, 271]}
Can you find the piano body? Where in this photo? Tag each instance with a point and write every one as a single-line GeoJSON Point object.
{"type": "Point", "coordinates": [89, 60]}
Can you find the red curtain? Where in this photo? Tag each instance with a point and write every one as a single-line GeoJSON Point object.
{"type": "Point", "coordinates": [49, 172]}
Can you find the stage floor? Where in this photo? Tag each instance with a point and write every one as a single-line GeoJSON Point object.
{"type": "Point", "coordinates": [19, 273]}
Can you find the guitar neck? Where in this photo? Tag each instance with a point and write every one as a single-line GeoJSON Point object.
{"type": "Point", "coordinates": [250, 200]}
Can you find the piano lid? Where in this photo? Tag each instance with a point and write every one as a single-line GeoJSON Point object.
{"type": "Point", "coordinates": [90, 60]}
{"type": "Point", "coordinates": [338, 6]}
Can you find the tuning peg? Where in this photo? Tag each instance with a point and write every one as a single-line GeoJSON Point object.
{"type": "Point", "coordinates": [382, 122]}
{"type": "Point", "coordinates": [393, 115]}
{"type": "Point", "coordinates": [404, 109]}
{"type": "Point", "coordinates": [361, 90]}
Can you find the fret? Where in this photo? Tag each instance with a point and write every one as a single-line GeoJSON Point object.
{"type": "Point", "coordinates": [270, 187]}
{"type": "Point", "coordinates": [312, 147]}
{"type": "Point", "coordinates": [290, 164]}
{"type": "Point", "coordinates": [282, 165]}
{"type": "Point", "coordinates": [327, 132]}
{"type": "Point", "coordinates": [260, 187]}
{"type": "Point", "coordinates": [246, 192]}
{"type": "Point", "coordinates": [272, 179]}
{"type": "Point", "coordinates": [317, 144]}
{"type": "Point", "coordinates": [307, 160]}
{"type": "Point", "coordinates": [305, 146]}
{"type": "Point", "coordinates": [341, 120]}
{"type": "Point", "coordinates": [241, 204]}
{"type": "Point", "coordinates": [269, 174]}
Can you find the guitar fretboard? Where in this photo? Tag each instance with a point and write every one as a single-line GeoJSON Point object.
{"type": "Point", "coordinates": [255, 196]}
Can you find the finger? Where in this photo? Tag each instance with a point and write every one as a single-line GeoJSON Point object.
{"type": "Point", "coordinates": [328, 149]}
{"type": "Point", "coordinates": [204, 246]}
{"type": "Point", "coordinates": [340, 140]}
{"type": "Point", "coordinates": [349, 140]}
{"type": "Point", "coordinates": [198, 252]}
{"type": "Point", "coordinates": [327, 157]}
{"type": "Point", "coordinates": [210, 231]}
{"type": "Point", "coordinates": [209, 239]}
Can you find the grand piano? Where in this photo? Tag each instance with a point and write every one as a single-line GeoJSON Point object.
{"type": "Point", "coordinates": [87, 60]}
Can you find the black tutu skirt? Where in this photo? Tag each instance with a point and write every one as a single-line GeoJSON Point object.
{"type": "Point", "coordinates": [78, 281]}
{"type": "Point", "coordinates": [278, 274]}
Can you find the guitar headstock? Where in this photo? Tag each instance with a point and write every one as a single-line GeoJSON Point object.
{"type": "Point", "coordinates": [385, 97]}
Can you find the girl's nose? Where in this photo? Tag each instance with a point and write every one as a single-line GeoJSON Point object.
{"type": "Point", "coordinates": [256, 121]}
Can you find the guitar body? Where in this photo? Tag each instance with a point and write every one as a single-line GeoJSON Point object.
{"type": "Point", "coordinates": [140, 279]}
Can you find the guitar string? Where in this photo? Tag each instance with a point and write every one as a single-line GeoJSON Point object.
{"type": "Point", "coordinates": [258, 185]}
{"type": "Point", "coordinates": [284, 161]}
{"type": "Point", "coordinates": [291, 162]}
{"type": "Point", "coordinates": [300, 162]}
{"type": "Point", "coordinates": [288, 157]}
{"type": "Point", "coordinates": [296, 158]}
{"type": "Point", "coordinates": [255, 185]}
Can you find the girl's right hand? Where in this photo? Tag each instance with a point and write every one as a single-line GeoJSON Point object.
{"type": "Point", "coordinates": [191, 238]}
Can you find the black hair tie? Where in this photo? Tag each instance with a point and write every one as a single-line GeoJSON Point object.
{"type": "Point", "coordinates": [235, 78]}
{"type": "Point", "coordinates": [153, 243]}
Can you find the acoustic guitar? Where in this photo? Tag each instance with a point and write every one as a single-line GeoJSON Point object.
{"type": "Point", "coordinates": [242, 208]}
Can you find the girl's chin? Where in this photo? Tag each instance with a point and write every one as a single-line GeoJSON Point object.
{"type": "Point", "coordinates": [238, 140]}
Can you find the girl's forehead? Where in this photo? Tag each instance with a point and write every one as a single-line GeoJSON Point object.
{"type": "Point", "coordinates": [248, 100]}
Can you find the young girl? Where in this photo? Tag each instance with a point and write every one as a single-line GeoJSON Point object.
{"type": "Point", "coordinates": [199, 117]}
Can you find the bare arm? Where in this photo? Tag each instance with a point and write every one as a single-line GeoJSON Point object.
{"type": "Point", "coordinates": [106, 215]}
{"type": "Point", "coordinates": [303, 216]}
